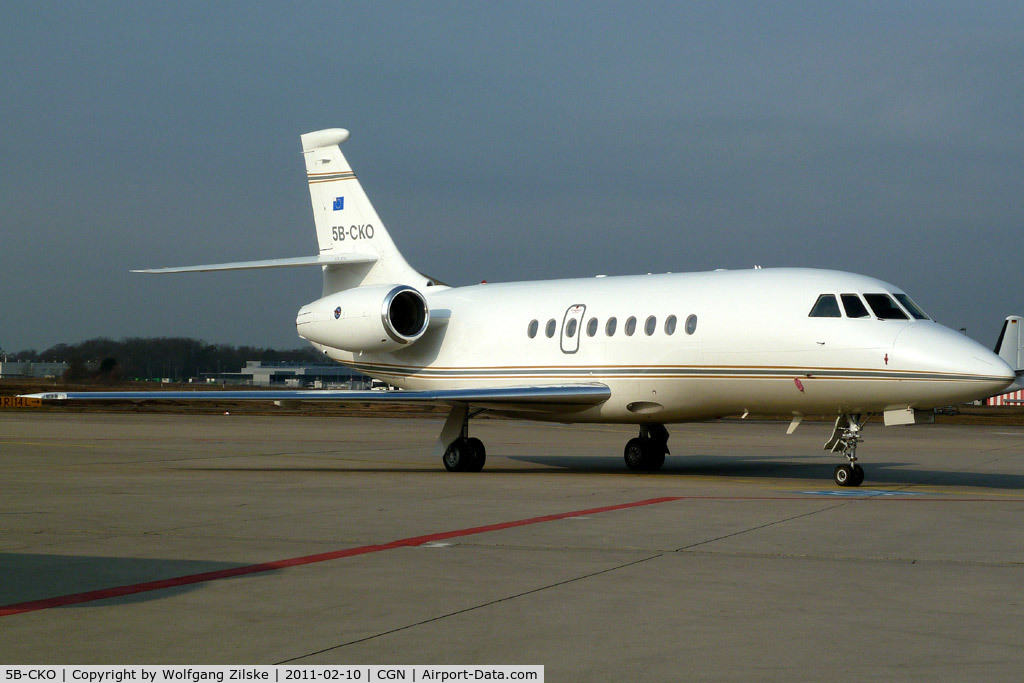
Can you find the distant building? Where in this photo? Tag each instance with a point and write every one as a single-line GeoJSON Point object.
{"type": "Point", "coordinates": [34, 370]}
{"type": "Point", "coordinates": [293, 374]}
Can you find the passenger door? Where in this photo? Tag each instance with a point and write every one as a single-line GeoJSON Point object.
{"type": "Point", "coordinates": [572, 328]}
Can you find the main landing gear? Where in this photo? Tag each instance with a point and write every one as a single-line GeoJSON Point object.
{"type": "Point", "coordinates": [465, 454]}
{"type": "Point", "coordinates": [845, 438]}
{"type": "Point", "coordinates": [647, 451]}
{"type": "Point", "coordinates": [460, 451]}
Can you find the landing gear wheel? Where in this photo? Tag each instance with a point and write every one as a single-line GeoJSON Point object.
{"type": "Point", "coordinates": [456, 456]}
{"type": "Point", "coordinates": [634, 454]}
{"type": "Point", "coordinates": [478, 454]}
{"type": "Point", "coordinates": [655, 458]}
{"type": "Point", "coordinates": [465, 455]}
{"type": "Point", "coordinates": [858, 475]}
{"type": "Point", "coordinates": [845, 476]}
{"type": "Point", "coordinates": [643, 454]}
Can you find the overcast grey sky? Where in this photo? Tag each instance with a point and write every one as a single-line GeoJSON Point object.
{"type": "Point", "coordinates": [502, 141]}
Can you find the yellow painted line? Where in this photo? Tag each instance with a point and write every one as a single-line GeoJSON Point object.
{"type": "Point", "coordinates": [54, 444]}
{"type": "Point", "coordinates": [932, 491]}
{"type": "Point", "coordinates": [960, 492]}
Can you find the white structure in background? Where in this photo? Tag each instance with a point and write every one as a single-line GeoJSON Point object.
{"type": "Point", "coordinates": [35, 370]}
{"type": "Point", "coordinates": [267, 374]}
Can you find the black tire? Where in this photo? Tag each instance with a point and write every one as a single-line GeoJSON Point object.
{"type": "Point", "coordinates": [456, 456]}
{"type": "Point", "coordinates": [858, 475]}
{"type": "Point", "coordinates": [478, 454]}
{"type": "Point", "coordinates": [655, 458]}
{"type": "Point", "coordinates": [843, 475]}
{"type": "Point", "coordinates": [655, 461]}
{"type": "Point", "coordinates": [635, 454]}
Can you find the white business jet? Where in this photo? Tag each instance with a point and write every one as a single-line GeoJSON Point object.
{"type": "Point", "coordinates": [648, 350]}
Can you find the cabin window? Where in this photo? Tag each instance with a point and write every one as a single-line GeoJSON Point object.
{"type": "Point", "coordinates": [549, 329]}
{"type": "Point", "coordinates": [630, 326]}
{"type": "Point", "coordinates": [650, 325]}
{"type": "Point", "coordinates": [854, 306]}
{"type": "Point", "coordinates": [826, 307]}
{"type": "Point", "coordinates": [570, 329]}
{"type": "Point", "coordinates": [911, 307]}
{"type": "Point", "coordinates": [609, 327]}
{"type": "Point", "coordinates": [691, 324]}
{"type": "Point", "coordinates": [531, 330]}
{"type": "Point", "coordinates": [884, 307]}
{"type": "Point", "coordinates": [592, 327]}
{"type": "Point", "coordinates": [670, 325]}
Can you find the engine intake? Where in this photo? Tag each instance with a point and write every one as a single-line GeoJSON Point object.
{"type": "Point", "coordinates": [374, 318]}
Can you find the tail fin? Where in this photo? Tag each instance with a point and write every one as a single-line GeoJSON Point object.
{"type": "Point", "coordinates": [1010, 347]}
{"type": "Point", "coordinates": [346, 222]}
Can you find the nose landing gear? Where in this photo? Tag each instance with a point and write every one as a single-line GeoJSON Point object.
{"type": "Point", "coordinates": [845, 438]}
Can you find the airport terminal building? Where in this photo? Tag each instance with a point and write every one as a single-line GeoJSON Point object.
{"type": "Point", "coordinates": [31, 370]}
{"type": "Point", "coordinates": [290, 374]}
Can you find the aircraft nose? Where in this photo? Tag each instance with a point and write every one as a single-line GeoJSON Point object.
{"type": "Point", "coordinates": [953, 357]}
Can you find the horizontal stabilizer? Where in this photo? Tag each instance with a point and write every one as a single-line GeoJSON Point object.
{"type": "Point", "coordinates": [293, 262]}
{"type": "Point", "coordinates": [553, 396]}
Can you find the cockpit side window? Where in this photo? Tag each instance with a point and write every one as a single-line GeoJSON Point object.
{"type": "Point", "coordinates": [911, 307]}
{"type": "Point", "coordinates": [884, 307]}
{"type": "Point", "coordinates": [826, 307]}
{"type": "Point", "coordinates": [854, 306]}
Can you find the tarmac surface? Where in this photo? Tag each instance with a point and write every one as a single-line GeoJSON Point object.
{"type": "Point", "coordinates": [213, 539]}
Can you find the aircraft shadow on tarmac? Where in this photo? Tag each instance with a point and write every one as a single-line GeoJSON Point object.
{"type": "Point", "coordinates": [29, 577]}
{"type": "Point", "coordinates": [756, 467]}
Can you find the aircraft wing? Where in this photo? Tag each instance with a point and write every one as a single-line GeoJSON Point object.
{"type": "Point", "coordinates": [565, 396]}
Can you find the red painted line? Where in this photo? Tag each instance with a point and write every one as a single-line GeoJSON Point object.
{"type": "Point", "coordinates": [132, 589]}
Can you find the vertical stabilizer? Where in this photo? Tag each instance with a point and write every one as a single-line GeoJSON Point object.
{"type": "Point", "coordinates": [346, 222]}
{"type": "Point", "coordinates": [1010, 347]}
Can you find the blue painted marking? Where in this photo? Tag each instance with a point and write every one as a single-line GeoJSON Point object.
{"type": "Point", "coordinates": [339, 203]}
{"type": "Point", "coordinates": [865, 493]}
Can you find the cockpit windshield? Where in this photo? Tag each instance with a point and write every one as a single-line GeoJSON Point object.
{"type": "Point", "coordinates": [882, 304]}
{"type": "Point", "coordinates": [884, 307]}
{"type": "Point", "coordinates": [911, 307]}
{"type": "Point", "coordinates": [854, 307]}
{"type": "Point", "coordinates": [826, 307]}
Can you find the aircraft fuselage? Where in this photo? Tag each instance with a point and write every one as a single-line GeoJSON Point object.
{"type": "Point", "coordinates": [699, 345]}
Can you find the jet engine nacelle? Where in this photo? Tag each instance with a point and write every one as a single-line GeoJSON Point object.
{"type": "Point", "coordinates": [372, 319]}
